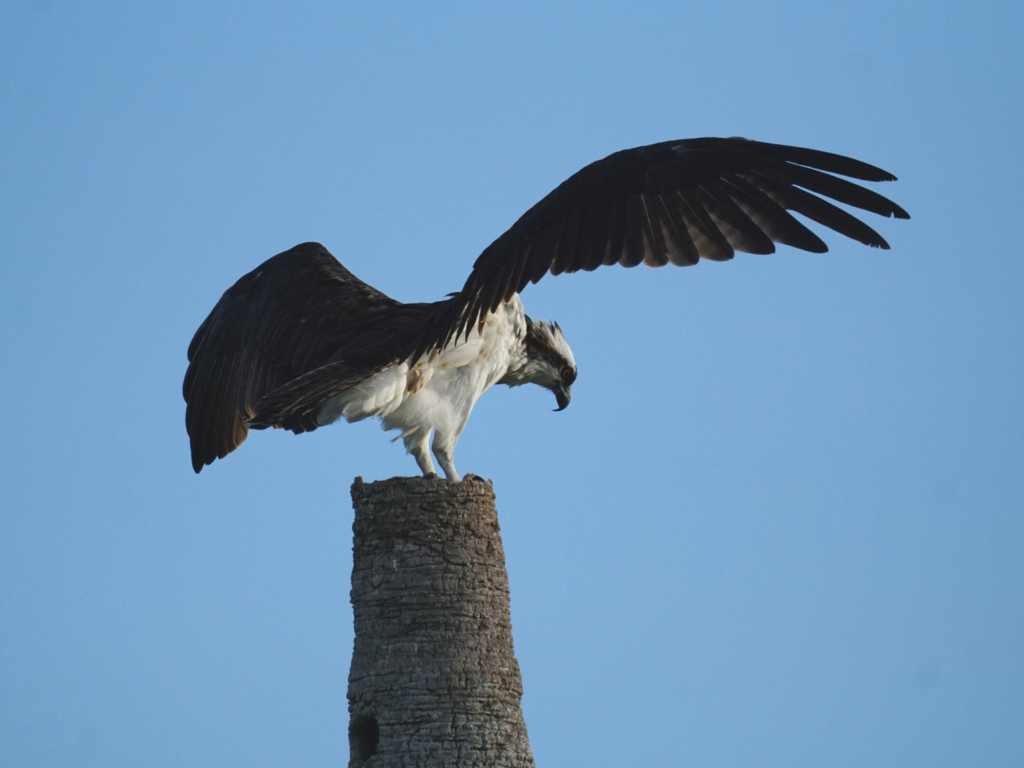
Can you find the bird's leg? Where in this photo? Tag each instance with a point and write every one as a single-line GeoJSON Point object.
{"type": "Point", "coordinates": [416, 444]}
{"type": "Point", "coordinates": [443, 450]}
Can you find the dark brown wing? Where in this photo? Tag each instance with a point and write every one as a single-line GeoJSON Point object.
{"type": "Point", "coordinates": [287, 317]}
{"type": "Point", "coordinates": [669, 203]}
{"type": "Point", "coordinates": [375, 343]}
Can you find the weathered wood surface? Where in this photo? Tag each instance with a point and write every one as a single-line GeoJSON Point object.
{"type": "Point", "coordinates": [434, 680]}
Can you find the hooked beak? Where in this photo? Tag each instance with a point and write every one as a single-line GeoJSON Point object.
{"type": "Point", "coordinates": [564, 397]}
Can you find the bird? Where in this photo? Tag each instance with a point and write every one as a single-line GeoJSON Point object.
{"type": "Point", "coordinates": [300, 342]}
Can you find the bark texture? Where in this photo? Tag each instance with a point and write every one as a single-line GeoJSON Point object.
{"type": "Point", "coordinates": [434, 680]}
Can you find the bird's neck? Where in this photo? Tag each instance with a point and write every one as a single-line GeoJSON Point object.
{"type": "Point", "coordinates": [524, 368]}
{"type": "Point", "coordinates": [521, 370]}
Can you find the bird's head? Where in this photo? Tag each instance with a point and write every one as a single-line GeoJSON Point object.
{"type": "Point", "coordinates": [548, 362]}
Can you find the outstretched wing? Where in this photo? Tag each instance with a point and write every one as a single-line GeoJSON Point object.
{"type": "Point", "coordinates": [375, 344]}
{"type": "Point", "coordinates": [287, 317]}
{"type": "Point", "coordinates": [669, 203]}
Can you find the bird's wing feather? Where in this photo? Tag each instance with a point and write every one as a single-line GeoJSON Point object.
{"type": "Point", "coordinates": [289, 316]}
{"type": "Point", "coordinates": [674, 202]}
{"type": "Point", "coordinates": [376, 345]}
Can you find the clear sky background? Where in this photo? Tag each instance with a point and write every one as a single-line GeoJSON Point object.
{"type": "Point", "coordinates": [781, 523]}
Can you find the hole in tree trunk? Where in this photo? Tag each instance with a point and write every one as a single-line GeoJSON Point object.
{"type": "Point", "coordinates": [363, 735]}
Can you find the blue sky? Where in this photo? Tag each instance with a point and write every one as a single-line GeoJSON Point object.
{"type": "Point", "coordinates": [781, 523]}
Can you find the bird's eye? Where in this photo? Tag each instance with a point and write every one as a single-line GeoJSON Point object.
{"type": "Point", "coordinates": [567, 373]}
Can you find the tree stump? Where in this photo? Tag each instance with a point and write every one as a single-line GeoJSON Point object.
{"type": "Point", "coordinates": [434, 680]}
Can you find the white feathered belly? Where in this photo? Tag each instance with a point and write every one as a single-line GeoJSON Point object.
{"type": "Point", "coordinates": [439, 393]}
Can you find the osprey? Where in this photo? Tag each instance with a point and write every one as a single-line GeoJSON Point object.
{"type": "Point", "coordinates": [300, 341]}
